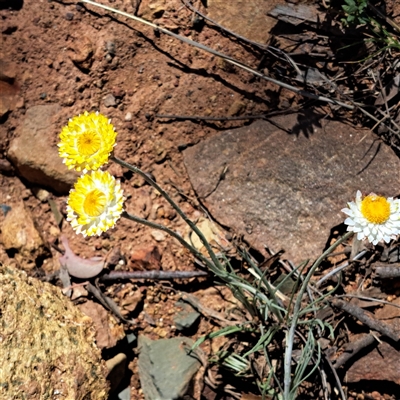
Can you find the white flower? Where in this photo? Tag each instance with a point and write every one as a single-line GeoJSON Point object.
{"type": "Point", "coordinates": [374, 218]}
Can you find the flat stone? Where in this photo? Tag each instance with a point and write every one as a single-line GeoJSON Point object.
{"type": "Point", "coordinates": [245, 17]}
{"type": "Point", "coordinates": [34, 150]}
{"type": "Point", "coordinates": [285, 191]}
{"type": "Point", "coordinates": [380, 364]}
{"type": "Point", "coordinates": [185, 318]}
{"type": "Point", "coordinates": [165, 367]}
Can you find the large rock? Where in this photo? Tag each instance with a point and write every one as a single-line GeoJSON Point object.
{"type": "Point", "coordinates": [380, 364]}
{"type": "Point", "coordinates": [47, 346]}
{"type": "Point", "coordinates": [286, 190]}
{"type": "Point", "coordinates": [34, 151]}
{"type": "Point", "coordinates": [246, 17]}
{"type": "Point", "coordinates": [166, 368]}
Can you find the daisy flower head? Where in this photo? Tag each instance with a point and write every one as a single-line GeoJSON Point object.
{"type": "Point", "coordinates": [95, 203]}
{"type": "Point", "coordinates": [373, 217]}
{"type": "Point", "coordinates": [87, 141]}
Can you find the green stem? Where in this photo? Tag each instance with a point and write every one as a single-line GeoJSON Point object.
{"type": "Point", "coordinates": [217, 268]}
{"type": "Point", "coordinates": [170, 232]}
{"type": "Point", "coordinates": [296, 309]}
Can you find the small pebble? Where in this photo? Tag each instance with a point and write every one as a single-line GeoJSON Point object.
{"type": "Point", "coordinates": [158, 236]}
{"type": "Point", "coordinates": [69, 16]}
{"type": "Point", "coordinates": [128, 116]}
{"type": "Point", "coordinates": [109, 100]}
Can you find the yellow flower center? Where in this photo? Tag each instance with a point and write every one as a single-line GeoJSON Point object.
{"type": "Point", "coordinates": [375, 209]}
{"type": "Point", "coordinates": [94, 203]}
{"type": "Point", "coordinates": [89, 143]}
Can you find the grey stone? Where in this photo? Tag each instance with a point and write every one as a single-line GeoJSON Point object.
{"type": "Point", "coordinates": [34, 152]}
{"type": "Point", "coordinates": [185, 318]}
{"type": "Point", "coordinates": [109, 100]}
{"type": "Point", "coordinates": [165, 367]}
{"type": "Point", "coordinates": [286, 190]}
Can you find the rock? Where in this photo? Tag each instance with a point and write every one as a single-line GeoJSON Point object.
{"type": "Point", "coordinates": [8, 71]}
{"type": "Point", "coordinates": [81, 51]}
{"type": "Point", "coordinates": [19, 234]}
{"type": "Point", "coordinates": [381, 364]}
{"type": "Point", "coordinates": [285, 190]}
{"type": "Point", "coordinates": [148, 258]}
{"type": "Point", "coordinates": [165, 368]}
{"type": "Point", "coordinates": [236, 108]}
{"type": "Point", "coordinates": [185, 318]}
{"type": "Point", "coordinates": [116, 370]}
{"type": "Point", "coordinates": [244, 17]}
{"type": "Point", "coordinates": [109, 100]}
{"type": "Point", "coordinates": [47, 347]}
{"type": "Point", "coordinates": [108, 331]}
{"type": "Point", "coordinates": [5, 166]}
{"type": "Point", "coordinates": [9, 98]}
{"type": "Point", "coordinates": [35, 156]}
{"type": "Point", "coordinates": [152, 9]}
{"type": "Point", "coordinates": [158, 236]}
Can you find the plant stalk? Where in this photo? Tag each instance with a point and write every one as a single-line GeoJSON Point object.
{"type": "Point", "coordinates": [296, 309]}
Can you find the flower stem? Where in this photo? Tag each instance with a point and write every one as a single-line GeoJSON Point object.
{"type": "Point", "coordinates": [170, 232]}
{"type": "Point", "coordinates": [296, 309]}
{"type": "Point", "coordinates": [217, 268]}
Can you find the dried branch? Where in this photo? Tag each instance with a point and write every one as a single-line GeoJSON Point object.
{"type": "Point", "coordinates": [366, 318]}
{"type": "Point", "coordinates": [354, 348]}
{"type": "Point", "coordinates": [153, 275]}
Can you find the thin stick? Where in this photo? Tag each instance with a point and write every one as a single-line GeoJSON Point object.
{"type": "Point", "coordinates": [353, 348]}
{"type": "Point", "coordinates": [338, 269]}
{"type": "Point", "coordinates": [152, 275]}
{"type": "Point", "coordinates": [366, 318]}
{"type": "Point", "coordinates": [387, 272]}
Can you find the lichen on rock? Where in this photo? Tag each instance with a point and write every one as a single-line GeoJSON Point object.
{"type": "Point", "coordinates": [47, 346]}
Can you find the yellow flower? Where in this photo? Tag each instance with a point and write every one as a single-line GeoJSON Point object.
{"type": "Point", "coordinates": [373, 217]}
{"type": "Point", "coordinates": [87, 141]}
{"type": "Point", "coordinates": [95, 203]}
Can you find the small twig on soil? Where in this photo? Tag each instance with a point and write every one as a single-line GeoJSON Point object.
{"type": "Point", "coordinates": [107, 302]}
{"type": "Point", "coordinates": [372, 299]}
{"type": "Point", "coordinates": [366, 318]}
{"type": "Point", "coordinates": [386, 272]}
{"type": "Point", "coordinates": [384, 17]}
{"type": "Point", "coordinates": [152, 275]}
{"type": "Point", "coordinates": [207, 312]}
{"type": "Point", "coordinates": [353, 348]}
{"type": "Point", "coordinates": [338, 269]}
